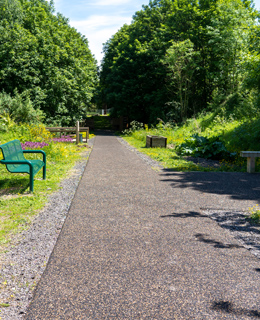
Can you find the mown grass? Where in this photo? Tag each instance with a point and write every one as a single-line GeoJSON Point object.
{"type": "Point", "coordinates": [237, 136]}
{"type": "Point", "coordinates": [17, 205]}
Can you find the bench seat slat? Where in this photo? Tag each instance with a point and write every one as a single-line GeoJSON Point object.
{"type": "Point", "coordinates": [250, 154]}
{"type": "Point", "coordinates": [24, 168]}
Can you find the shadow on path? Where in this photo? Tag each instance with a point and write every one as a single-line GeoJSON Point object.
{"type": "Point", "coordinates": [216, 244]}
{"type": "Point", "coordinates": [228, 307]}
{"type": "Point", "coordinates": [238, 185]}
{"type": "Point", "coordinates": [190, 214]}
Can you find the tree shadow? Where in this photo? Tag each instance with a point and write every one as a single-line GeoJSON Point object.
{"type": "Point", "coordinates": [240, 226]}
{"type": "Point", "coordinates": [228, 307]}
{"type": "Point", "coordinates": [235, 221]}
{"type": "Point", "coordinates": [190, 214]}
{"type": "Point", "coordinates": [216, 244]}
{"type": "Point", "coordinates": [238, 185]}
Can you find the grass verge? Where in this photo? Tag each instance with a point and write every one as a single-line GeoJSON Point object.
{"type": "Point", "coordinates": [169, 159]}
{"type": "Point", "coordinates": [17, 205]}
{"type": "Point", "coordinates": [234, 135]}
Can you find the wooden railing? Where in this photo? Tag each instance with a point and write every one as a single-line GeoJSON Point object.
{"type": "Point", "coordinates": [77, 130]}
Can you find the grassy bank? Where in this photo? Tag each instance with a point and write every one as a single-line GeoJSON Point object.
{"type": "Point", "coordinates": [17, 205]}
{"type": "Point", "coordinates": [234, 135]}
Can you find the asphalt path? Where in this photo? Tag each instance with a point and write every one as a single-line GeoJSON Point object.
{"type": "Point", "coordinates": [136, 245]}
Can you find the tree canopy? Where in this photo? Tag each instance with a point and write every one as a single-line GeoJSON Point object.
{"type": "Point", "coordinates": [44, 58]}
{"type": "Point", "coordinates": [177, 57]}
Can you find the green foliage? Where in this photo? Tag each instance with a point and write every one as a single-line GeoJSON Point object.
{"type": "Point", "coordinates": [255, 214]}
{"type": "Point", "coordinates": [6, 122]}
{"type": "Point", "coordinates": [19, 108]}
{"type": "Point", "coordinates": [169, 159]}
{"type": "Point", "coordinates": [177, 58]}
{"type": "Point", "coordinates": [245, 136]}
{"type": "Point", "coordinates": [199, 146]}
{"type": "Point", "coordinates": [229, 34]}
{"type": "Point", "coordinates": [136, 130]}
{"type": "Point", "coordinates": [206, 136]}
{"type": "Point", "coordinates": [181, 61]}
{"type": "Point", "coordinates": [130, 74]}
{"type": "Point", "coordinates": [46, 60]}
{"type": "Point", "coordinates": [238, 105]}
{"type": "Point", "coordinates": [102, 122]}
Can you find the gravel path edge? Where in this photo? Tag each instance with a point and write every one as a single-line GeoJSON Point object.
{"type": "Point", "coordinates": [237, 222]}
{"type": "Point", "coordinates": [24, 263]}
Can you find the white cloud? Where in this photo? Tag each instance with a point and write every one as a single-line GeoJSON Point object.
{"type": "Point", "coordinates": [110, 2]}
{"type": "Point", "coordinates": [96, 41]}
{"type": "Point", "coordinates": [100, 21]}
{"type": "Point", "coordinates": [98, 29]}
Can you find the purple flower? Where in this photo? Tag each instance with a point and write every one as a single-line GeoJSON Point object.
{"type": "Point", "coordinates": [63, 139]}
{"type": "Point", "coordinates": [33, 145]}
{"type": "Point", "coordinates": [39, 145]}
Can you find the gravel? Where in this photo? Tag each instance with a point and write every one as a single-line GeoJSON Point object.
{"type": "Point", "coordinates": [237, 222]}
{"type": "Point", "coordinates": [24, 263]}
{"type": "Point", "coordinates": [144, 157]}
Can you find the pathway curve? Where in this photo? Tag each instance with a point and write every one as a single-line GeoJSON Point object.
{"type": "Point", "coordinates": [136, 245]}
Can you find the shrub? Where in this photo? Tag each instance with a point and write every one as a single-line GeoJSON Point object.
{"type": "Point", "coordinates": [134, 126]}
{"type": "Point", "coordinates": [20, 108]}
{"type": "Point", "coordinates": [238, 105]}
{"type": "Point", "coordinates": [6, 122]}
{"type": "Point", "coordinates": [209, 148]}
{"type": "Point", "coordinates": [39, 133]}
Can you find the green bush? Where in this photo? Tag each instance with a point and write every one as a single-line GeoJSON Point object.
{"type": "Point", "coordinates": [134, 126]}
{"type": "Point", "coordinates": [246, 136]}
{"type": "Point", "coordinates": [238, 105]}
{"type": "Point", "coordinates": [5, 122]}
{"type": "Point", "coordinates": [209, 148]}
{"type": "Point", "coordinates": [20, 108]}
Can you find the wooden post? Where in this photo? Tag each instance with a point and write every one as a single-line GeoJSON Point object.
{"type": "Point", "coordinates": [77, 132]}
{"type": "Point", "coordinates": [251, 158]}
{"type": "Point", "coordinates": [251, 164]}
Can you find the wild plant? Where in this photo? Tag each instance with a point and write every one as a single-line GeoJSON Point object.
{"type": "Point", "coordinates": [255, 214]}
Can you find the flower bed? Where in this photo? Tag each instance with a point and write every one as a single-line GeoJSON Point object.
{"type": "Point", "coordinates": [33, 145]}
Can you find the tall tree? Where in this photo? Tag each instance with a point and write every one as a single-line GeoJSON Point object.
{"type": "Point", "coordinates": [133, 76]}
{"type": "Point", "coordinates": [42, 55]}
{"type": "Point", "coordinates": [181, 61]}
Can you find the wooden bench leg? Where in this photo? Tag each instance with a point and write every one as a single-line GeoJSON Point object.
{"type": "Point", "coordinates": [251, 164]}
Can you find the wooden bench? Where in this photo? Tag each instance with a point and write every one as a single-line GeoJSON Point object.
{"type": "Point", "coordinates": [63, 130]}
{"type": "Point", "coordinates": [13, 158]}
{"type": "Point", "coordinates": [250, 155]}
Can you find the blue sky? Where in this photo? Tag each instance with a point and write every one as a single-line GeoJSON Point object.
{"type": "Point", "coordinates": [99, 20]}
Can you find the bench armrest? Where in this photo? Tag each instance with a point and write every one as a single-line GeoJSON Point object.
{"type": "Point", "coordinates": [37, 151]}
{"type": "Point", "coordinates": [15, 162]}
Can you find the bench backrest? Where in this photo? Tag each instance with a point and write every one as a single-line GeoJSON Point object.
{"type": "Point", "coordinates": [12, 150]}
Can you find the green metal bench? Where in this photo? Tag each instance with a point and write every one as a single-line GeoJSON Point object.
{"type": "Point", "coordinates": [15, 161]}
